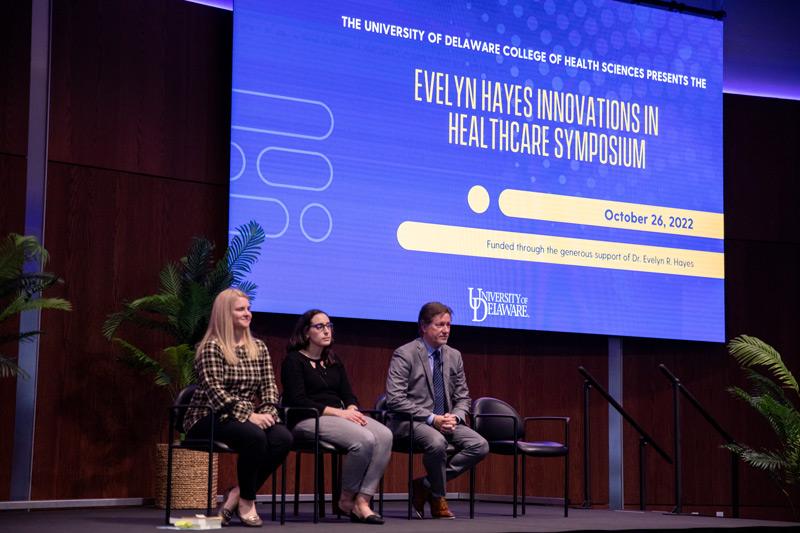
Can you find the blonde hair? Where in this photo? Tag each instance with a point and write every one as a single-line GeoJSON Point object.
{"type": "Point", "coordinates": [220, 327]}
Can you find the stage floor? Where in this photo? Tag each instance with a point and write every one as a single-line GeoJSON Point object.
{"type": "Point", "coordinates": [489, 517]}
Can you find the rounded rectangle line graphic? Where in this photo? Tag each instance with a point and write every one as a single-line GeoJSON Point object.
{"type": "Point", "coordinates": [265, 199]}
{"type": "Point", "coordinates": [294, 151]}
{"type": "Point", "coordinates": [267, 96]}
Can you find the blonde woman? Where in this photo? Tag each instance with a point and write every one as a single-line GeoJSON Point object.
{"type": "Point", "coordinates": [233, 369]}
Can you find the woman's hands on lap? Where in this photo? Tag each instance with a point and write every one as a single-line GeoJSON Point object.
{"type": "Point", "coordinates": [263, 421]}
{"type": "Point", "coordinates": [353, 415]}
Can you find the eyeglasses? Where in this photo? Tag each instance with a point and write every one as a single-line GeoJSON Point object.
{"type": "Point", "coordinates": [320, 327]}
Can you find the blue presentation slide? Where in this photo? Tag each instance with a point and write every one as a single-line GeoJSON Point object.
{"type": "Point", "coordinates": [544, 165]}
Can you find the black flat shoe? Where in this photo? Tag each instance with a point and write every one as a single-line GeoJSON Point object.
{"type": "Point", "coordinates": [371, 519]}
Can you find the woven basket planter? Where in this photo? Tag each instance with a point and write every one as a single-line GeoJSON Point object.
{"type": "Point", "coordinates": [189, 478]}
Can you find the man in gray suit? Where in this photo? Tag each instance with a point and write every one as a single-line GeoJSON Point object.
{"type": "Point", "coordinates": [426, 379]}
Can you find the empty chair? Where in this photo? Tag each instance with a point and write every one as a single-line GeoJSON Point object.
{"type": "Point", "coordinates": [504, 429]}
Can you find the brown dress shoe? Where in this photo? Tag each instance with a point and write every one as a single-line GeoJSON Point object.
{"type": "Point", "coordinates": [439, 509]}
{"type": "Point", "coordinates": [420, 495]}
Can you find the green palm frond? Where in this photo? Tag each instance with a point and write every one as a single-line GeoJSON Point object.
{"type": "Point", "coordinates": [769, 400]}
{"type": "Point", "coordinates": [142, 362]}
{"type": "Point", "coordinates": [763, 386]}
{"type": "Point", "coordinates": [198, 262]}
{"type": "Point", "coordinates": [741, 394]}
{"type": "Point", "coordinates": [25, 303]}
{"type": "Point", "coordinates": [179, 365]}
{"type": "Point", "coordinates": [27, 283]}
{"type": "Point", "coordinates": [244, 249]}
{"type": "Point", "coordinates": [170, 277]}
{"type": "Point", "coordinates": [182, 307]}
{"type": "Point", "coordinates": [165, 306]}
{"type": "Point", "coordinates": [241, 255]}
{"type": "Point", "coordinates": [18, 337]}
{"type": "Point", "coordinates": [194, 314]}
{"type": "Point", "coordinates": [248, 288]}
{"type": "Point", "coordinates": [770, 462]}
{"type": "Point", "coordinates": [8, 368]}
{"type": "Point", "coordinates": [16, 251]}
{"type": "Point", "coordinates": [20, 291]}
{"type": "Point", "coordinates": [784, 419]}
{"type": "Point", "coordinates": [749, 351]}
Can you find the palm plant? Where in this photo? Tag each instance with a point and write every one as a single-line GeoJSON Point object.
{"type": "Point", "coordinates": [770, 400]}
{"type": "Point", "coordinates": [182, 306]}
{"type": "Point", "coordinates": [19, 290]}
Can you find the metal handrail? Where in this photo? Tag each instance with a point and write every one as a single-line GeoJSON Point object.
{"type": "Point", "coordinates": [678, 388]}
{"type": "Point", "coordinates": [644, 439]}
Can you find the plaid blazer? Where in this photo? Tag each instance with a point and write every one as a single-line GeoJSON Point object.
{"type": "Point", "coordinates": [232, 389]}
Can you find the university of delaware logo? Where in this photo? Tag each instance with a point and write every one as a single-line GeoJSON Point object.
{"type": "Point", "coordinates": [486, 303]}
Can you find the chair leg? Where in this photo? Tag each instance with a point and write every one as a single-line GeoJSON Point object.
{"type": "Point", "coordinates": [524, 484]}
{"type": "Point", "coordinates": [566, 485]}
{"type": "Point", "coordinates": [210, 477]}
{"type": "Point", "coordinates": [515, 483]}
{"type": "Point", "coordinates": [316, 492]}
{"type": "Point", "coordinates": [169, 483]}
{"type": "Point", "coordinates": [472, 491]}
{"type": "Point", "coordinates": [380, 497]}
{"type": "Point", "coordinates": [336, 463]}
{"type": "Point", "coordinates": [340, 461]}
{"type": "Point", "coordinates": [410, 481]}
{"type": "Point", "coordinates": [297, 483]}
{"type": "Point", "coordinates": [274, 494]}
{"type": "Point", "coordinates": [283, 493]}
{"type": "Point", "coordinates": [321, 484]}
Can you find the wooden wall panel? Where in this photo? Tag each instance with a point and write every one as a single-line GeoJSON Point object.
{"type": "Point", "coordinates": [12, 219]}
{"type": "Point", "coordinates": [15, 56]}
{"type": "Point", "coordinates": [108, 233]}
{"type": "Point", "coordinates": [762, 166]}
{"type": "Point", "coordinates": [142, 87]}
{"type": "Point", "coordinates": [12, 192]}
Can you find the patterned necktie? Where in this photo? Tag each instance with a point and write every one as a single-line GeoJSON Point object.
{"type": "Point", "coordinates": [438, 384]}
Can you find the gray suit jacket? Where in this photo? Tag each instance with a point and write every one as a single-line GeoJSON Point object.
{"type": "Point", "coordinates": [409, 386]}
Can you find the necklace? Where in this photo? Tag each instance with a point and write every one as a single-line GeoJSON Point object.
{"type": "Point", "coordinates": [307, 354]}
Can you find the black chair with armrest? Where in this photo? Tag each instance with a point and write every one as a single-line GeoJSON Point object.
{"type": "Point", "coordinates": [318, 448]}
{"type": "Point", "coordinates": [403, 445]}
{"type": "Point", "coordinates": [504, 429]}
{"type": "Point", "coordinates": [177, 412]}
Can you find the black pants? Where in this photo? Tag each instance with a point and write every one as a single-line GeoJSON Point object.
{"type": "Point", "coordinates": [261, 451]}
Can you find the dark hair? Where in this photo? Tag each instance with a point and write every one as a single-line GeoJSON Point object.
{"type": "Point", "coordinates": [299, 337]}
{"type": "Point", "coordinates": [430, 311]}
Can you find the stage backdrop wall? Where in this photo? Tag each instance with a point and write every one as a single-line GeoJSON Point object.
{"type": "Point", "coordinates": [138, 165]}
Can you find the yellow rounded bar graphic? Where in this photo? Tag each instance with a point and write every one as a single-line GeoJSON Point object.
{"type": "Point", "coordinates": [592, 212]}
{"type": "Point", "coordinates": [476, 242]}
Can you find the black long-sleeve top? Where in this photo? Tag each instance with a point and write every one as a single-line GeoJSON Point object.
{"type": "Point", "coordinates": [307, 386]}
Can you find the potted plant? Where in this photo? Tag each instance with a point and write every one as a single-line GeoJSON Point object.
{"type": "Point", "coordinates": [769, 398]}
{"type": "Point", "coordinates": [19, 290]}
{"type": "Point", "coordinates": [182, 309]}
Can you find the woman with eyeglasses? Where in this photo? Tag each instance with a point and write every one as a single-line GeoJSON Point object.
{"type": "Point", "coordinates": [312, 376]}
